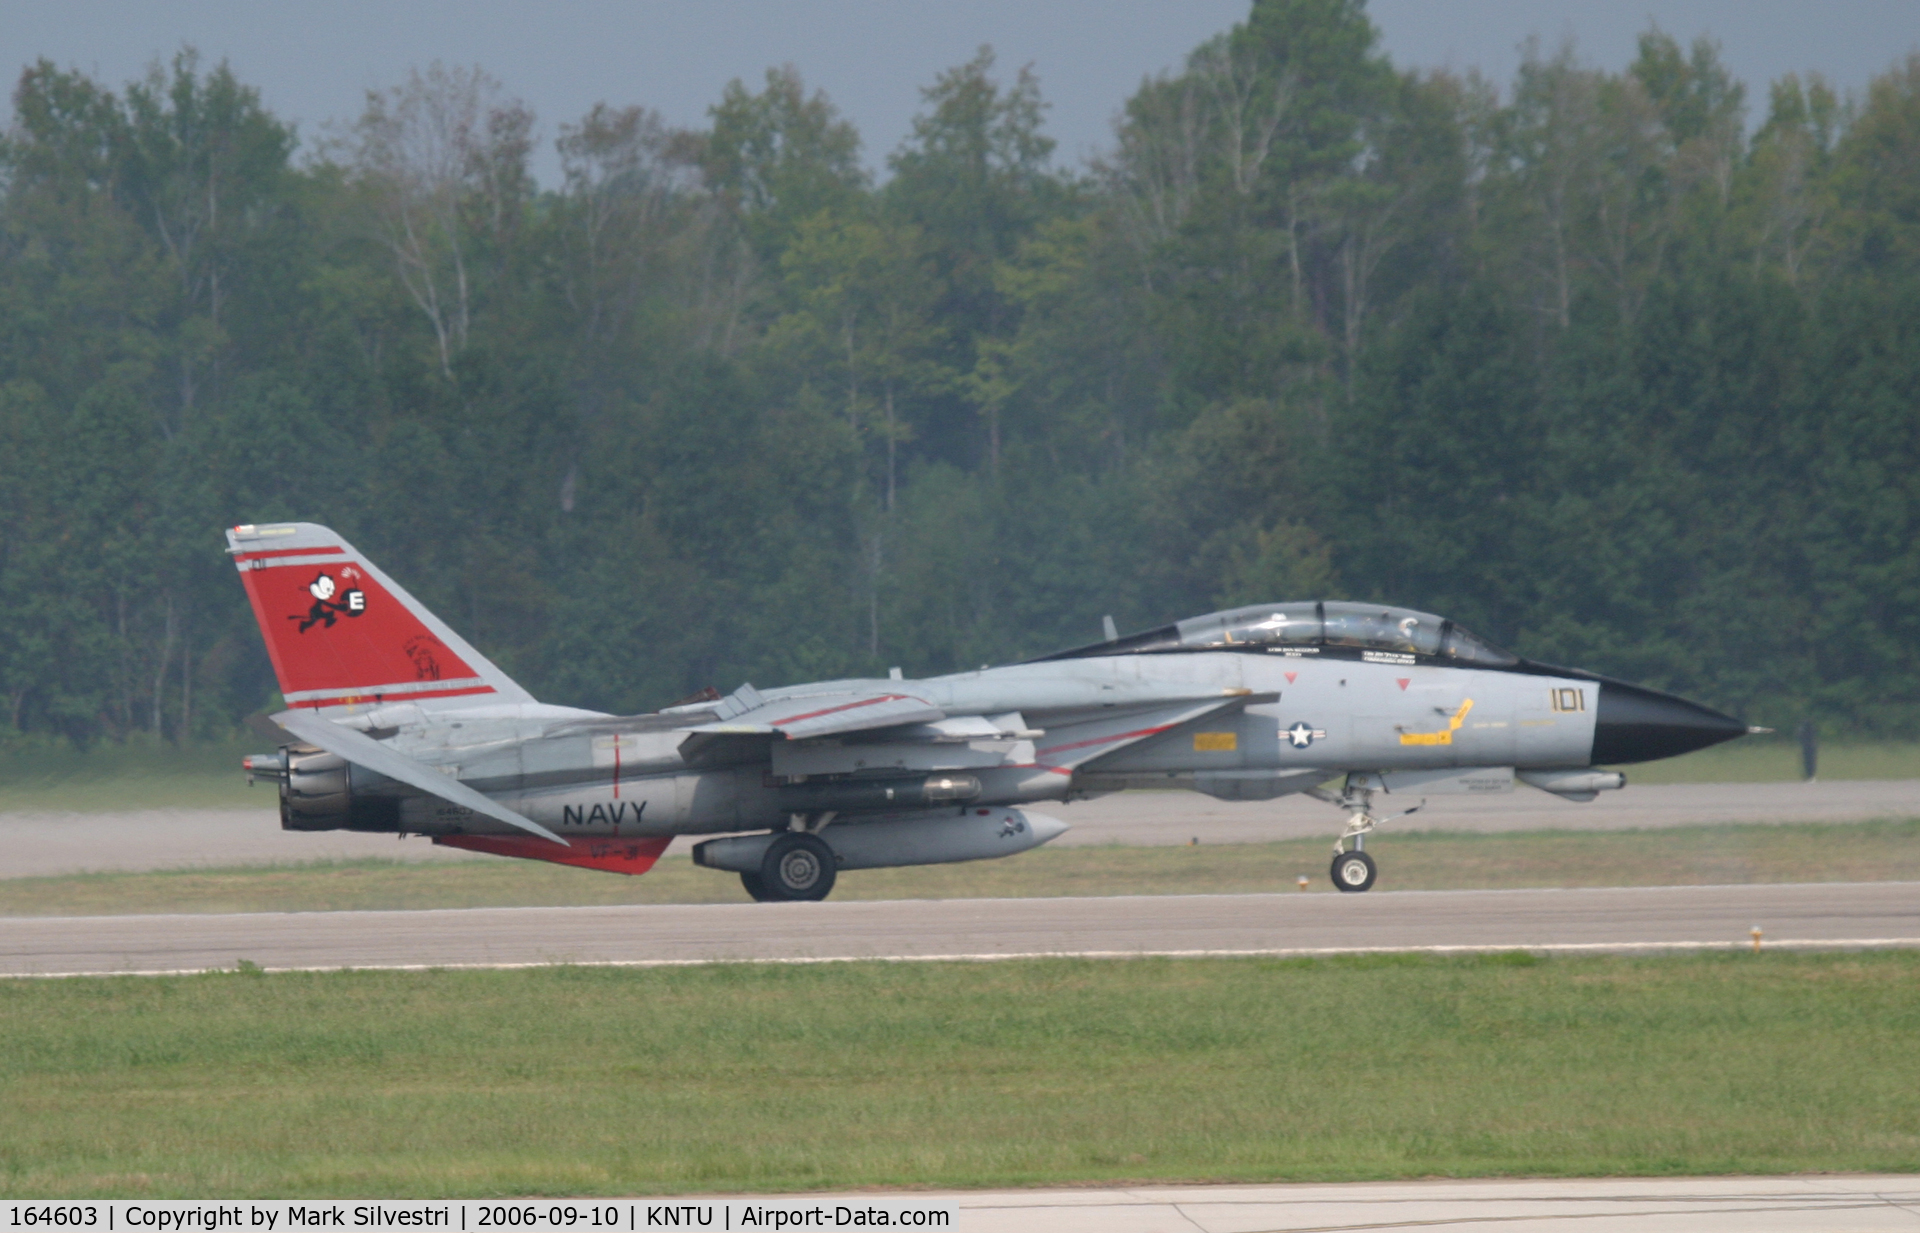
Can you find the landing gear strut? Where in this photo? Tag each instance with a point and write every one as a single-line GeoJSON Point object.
{"type": "Point", "coordinates": [1354, 871]}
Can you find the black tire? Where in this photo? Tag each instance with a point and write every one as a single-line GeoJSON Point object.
{"type": "Point", "coordinates": [755, 887]}
{"type": "Point", "coordinates": [798, 866]}
{"type": "Point", "coordinates": [1353, 872]}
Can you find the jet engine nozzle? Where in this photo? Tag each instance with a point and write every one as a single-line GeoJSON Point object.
{"type": "Point", "coordinates": [1634, 724]}
{"type": "Point", "coordinates": [315, 793]}
{"type": "Point", "coordinates": [318, 794]}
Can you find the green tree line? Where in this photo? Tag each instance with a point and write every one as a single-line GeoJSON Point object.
{"type": "Point", "coordinates": [1619, 370]}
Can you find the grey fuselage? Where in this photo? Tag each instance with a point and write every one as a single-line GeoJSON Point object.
{"type": "Point", "coordinates": [1241, 722]}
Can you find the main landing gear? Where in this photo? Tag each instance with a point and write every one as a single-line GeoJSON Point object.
{"type": "Point", "coordinates": [1355, 871]}
{"type": "Point", "coordinates": [798, 865]}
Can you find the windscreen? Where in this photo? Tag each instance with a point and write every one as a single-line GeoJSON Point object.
{"type": "Point", "coordinates": [1469, 649]}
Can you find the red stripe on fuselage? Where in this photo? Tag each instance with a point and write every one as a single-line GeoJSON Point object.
{"type": "Point", "coordinates": [845, 706]}
{"type": "Point", "coordinates": [1108, 740]}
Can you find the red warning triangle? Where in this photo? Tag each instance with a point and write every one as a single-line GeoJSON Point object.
{"type": "Point", "coordinates": [1291, 676]}
{"type": "Point", "coordinates": [1404, 681]}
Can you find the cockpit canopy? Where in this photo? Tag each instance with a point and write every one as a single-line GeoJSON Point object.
{"type": "Point", "coordinates": [1279, 627]}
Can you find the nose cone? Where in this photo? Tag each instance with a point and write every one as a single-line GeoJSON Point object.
{"type": "Point", "coordinates": [1638, 725]}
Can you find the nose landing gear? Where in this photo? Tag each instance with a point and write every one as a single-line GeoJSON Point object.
{"type": "Point", "coordinates": [1354, 871]}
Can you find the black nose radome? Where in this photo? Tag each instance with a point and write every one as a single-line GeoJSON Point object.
{"type": "Point", "coordinates": [1639, 725]}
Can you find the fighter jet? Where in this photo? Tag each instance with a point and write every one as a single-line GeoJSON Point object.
{"type": "Point", "coordinates": [399, 725]}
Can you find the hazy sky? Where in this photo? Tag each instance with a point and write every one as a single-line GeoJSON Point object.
{"type": "Point", "coordinates": [314, 60]}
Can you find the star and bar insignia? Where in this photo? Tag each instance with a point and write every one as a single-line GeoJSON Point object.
{"type": "Point", "coordinates": [1304, 734]}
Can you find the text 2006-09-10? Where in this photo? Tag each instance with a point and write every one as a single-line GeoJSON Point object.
{"type": "Point", "coordinates": [285, 1215]}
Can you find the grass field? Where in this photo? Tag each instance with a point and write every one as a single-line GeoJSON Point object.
{"type": "Point", "coordinates": [1704, 855]}
{"type": "Point", "coordinates": [147, 775]}
{"type": "Point", "coordinates": [153, 776]}
{"type": "Point", "coordinates": [729, 1078]}
{"type": "Point", "coordinates": [1754, 760]}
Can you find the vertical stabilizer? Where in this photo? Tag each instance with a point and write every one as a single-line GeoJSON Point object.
{"type": "Point", "coordinates": [343, 634]}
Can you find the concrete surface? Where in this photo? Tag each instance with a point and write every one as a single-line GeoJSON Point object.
{"type": "Point", "coordinates": [1823, 1204]}
{"type": "Point", "coordinates": [33, 845]}
{"type": "Point", "coordinates": [1641, 918]}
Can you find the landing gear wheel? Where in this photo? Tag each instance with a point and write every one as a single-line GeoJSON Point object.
{"type": "Point", "coordinates": [798, 866]}
{"type": "Point", "coordinates": [755, 887]}
{"type": "Point", "coordinates": [1353, 871]}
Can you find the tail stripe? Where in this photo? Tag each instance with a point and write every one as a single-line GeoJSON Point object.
{"type": "Point", "coordinates": [247, 567]}
{"type": "Point", "coordinates": [286, 552]}
{"type": "Point", "coordinates": [465, 685]}
{"type": "Point", "coordinates": [375, 699]}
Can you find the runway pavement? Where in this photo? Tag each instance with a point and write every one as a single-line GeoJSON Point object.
{"type": "Point", "coordinates": [1641, 918]}
{"type": "Point", "coordinates": [1822, 1204]}
{"type": "Point", "coordinates": [1177, 817]}
{"type": "Point", "coordinates": [34, 845]}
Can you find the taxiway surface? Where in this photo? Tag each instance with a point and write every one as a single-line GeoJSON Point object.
{"type": "Point", "coordinates": [1639, 918]}
{"type": "Point", "coordinates": [36, 845]}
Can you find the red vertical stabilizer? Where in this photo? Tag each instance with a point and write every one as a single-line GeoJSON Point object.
{"type": "Point", "coordinates": [343, 634]}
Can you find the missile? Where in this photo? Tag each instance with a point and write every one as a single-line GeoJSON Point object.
{"type": "Point", "coordinates": [848, 795]}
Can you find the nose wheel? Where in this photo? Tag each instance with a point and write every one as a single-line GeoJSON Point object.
{"type": "Point", "coordinates": [1353, 872]}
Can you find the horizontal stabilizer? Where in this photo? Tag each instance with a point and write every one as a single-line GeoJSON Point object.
{"type": "Point", "coordinates": [359, 748]}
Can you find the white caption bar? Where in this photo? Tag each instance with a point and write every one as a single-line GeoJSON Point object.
{"type": "Point", "coordinates": [493, 1216]}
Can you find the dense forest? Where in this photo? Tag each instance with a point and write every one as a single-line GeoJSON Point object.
{"type": "Point", "coordinates": [1619, 370]}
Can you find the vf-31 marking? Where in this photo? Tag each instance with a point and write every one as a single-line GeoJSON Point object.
{"type": "Point", "coordinates": [402, 726]}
